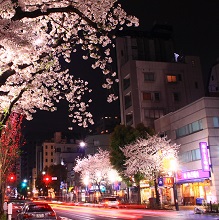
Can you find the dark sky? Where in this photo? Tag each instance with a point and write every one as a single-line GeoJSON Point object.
{"type": "Point", "coordinates": [196, 32]}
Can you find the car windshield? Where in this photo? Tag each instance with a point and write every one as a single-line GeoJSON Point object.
{"type": "Point", "coordinates": [39, 208]}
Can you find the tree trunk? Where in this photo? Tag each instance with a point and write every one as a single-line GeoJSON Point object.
{"type": "Point", "coordinates": [156, 192]}
{"type": "Point", "coordinates": [139, 194]}
{"type": "Point", "coordinates": [2, 197]}
{"type": "Point", "coordinates": [1, 193]}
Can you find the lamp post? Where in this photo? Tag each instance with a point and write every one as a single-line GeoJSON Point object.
{"type": "Point", "coordinates": [175, 196]}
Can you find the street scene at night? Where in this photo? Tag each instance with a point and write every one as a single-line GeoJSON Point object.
{"type": "Point", "coordinates": [109, 109]}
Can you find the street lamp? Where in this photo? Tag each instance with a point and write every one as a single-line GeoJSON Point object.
{"type": "Point", "coordinates": [173, 166]}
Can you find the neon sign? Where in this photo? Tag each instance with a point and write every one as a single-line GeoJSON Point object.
{"type": "Point", "coordinates": [204, 155]}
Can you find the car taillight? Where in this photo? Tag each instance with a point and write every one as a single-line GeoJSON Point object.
{"type": "Point", "coordinates": [27, 216]}
{"type": "Point", "coordinates": [52, 214]}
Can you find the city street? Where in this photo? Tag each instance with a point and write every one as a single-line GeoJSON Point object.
{"type": "Point", "coordinates": [95, 213]}
{"type": "Point", "coordinates": [67, 211]}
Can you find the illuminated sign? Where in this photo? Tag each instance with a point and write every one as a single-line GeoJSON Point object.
{"type": "Point", "coordinates": [192, 174]}
{"type": "Point", "coordinates": [168, 181]}
{"type": "Point", "coordinates": [204, 155]}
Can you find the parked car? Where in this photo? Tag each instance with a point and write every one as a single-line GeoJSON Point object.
{"type": "Point", "coordinates": [36, 210]}
{"type": "Point", "coordinates": [111, 202]}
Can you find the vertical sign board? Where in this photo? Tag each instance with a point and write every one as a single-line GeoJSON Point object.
{"type": "Point", "coordinates": [204, 156]}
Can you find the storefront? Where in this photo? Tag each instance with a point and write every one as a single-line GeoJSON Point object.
{"type": "Point", "coordinates": [193, 185]}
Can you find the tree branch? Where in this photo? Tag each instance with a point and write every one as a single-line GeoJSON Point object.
{"type": "Point", "coordinates": [20, 14]}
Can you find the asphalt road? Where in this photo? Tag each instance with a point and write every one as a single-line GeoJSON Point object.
{"type": "Point", "coordinates": [70, 212]}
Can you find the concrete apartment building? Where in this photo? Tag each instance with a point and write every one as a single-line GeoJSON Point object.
{"type": "Point", "coordinates": [153, 80]}
{"type": "Point", "coordinates": [196, 128]}
{"type": "Point", "coordinates": [213, 87]}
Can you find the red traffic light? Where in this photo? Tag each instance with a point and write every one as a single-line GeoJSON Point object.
{"type": "Point", "coordinates": [47, 179]}
{"type": "Point", "coordinates": [11, 177]}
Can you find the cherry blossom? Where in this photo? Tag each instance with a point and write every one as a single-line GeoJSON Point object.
{"type": "Point", "coordinates": [96, 168]}
{"type": "Point", "coordinates": [34, 35]}
{"type": "Point", "coordinates": [146, 156]}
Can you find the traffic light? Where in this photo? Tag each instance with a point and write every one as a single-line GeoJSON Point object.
{"type": "Point", "coordinates": [23, 184]}
{"type": "Point", "coordinates": [11, 177]}
{"type": "Point", "coordinates": [47, 179]}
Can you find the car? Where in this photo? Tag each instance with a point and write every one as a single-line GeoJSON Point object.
{"type": "Point", "coordinates": [36, 210]}
{"type": "Point", "coordinates": [110, 202]}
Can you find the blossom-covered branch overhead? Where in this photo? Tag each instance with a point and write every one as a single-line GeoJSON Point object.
{"type": "Point", "coordinates": [33, 37]}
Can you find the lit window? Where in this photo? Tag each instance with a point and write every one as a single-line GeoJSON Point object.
{"type": "Point", "coordinates": [171, 78]}
{"type": "Point", "coordinates": [146, 96]}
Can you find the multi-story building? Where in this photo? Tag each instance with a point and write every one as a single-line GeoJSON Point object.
{"type": "Point", "coordinates": [153, 79]}
{"type": "Point", "coordinates": [195, 128]}
{"type": "Point", "coordinates": [213, 87]}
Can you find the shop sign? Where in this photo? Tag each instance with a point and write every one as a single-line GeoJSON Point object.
{"type": "Point", "coordinates": [193, 174]}
{"type": "Point", "coordinates": [204, 155]}
{"type": "Point", "coordinates": [160, 181]}
{"type": "Point", "coordinates": [168, 181]}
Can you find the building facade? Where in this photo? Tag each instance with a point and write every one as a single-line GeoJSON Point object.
{"type": "Point", "coordinates": [153, 79]}
{"type": "Point", "coordinates": [195, 128]}
{"type": "Point", "coordinates": [213, 87]}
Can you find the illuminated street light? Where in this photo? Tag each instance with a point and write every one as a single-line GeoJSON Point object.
{"type": "Point", "coordinates": [173, 166]}
{"type": "Point", "coordinates": [82, 144]}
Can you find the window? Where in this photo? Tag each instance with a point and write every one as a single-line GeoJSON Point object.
{"type": "Point", "coordinates": [193, 62]}
{"type": "Point", "coordinates": [147, 96]}
{"type": "Point", "coordinates": [126, 83]}
{"type": "Point", "coordinates": [185, 157]}
{"type": "Point", "coordinates": [216, 122]}
{"type": "Point", "coordinates": [189, 129]}
{"type": "Point", "coordinates": [190, 156]}
{"type": "Point", "coordinates": [156, 96]}
{"type": "Point", "coordinates": [153, 113]}
{"type": "Point", "coordinates": [46, 153]}
{"type": "Point", "coordinates": [153, 96]}
{"type": "Point", "coordinates": [51, 160]}
{"type": "Point", "coordinates": [58, 149]}
{"type": "Point", "coordinates": [128, 101]}
{"type": "Point", "coordinates": [129, 119]}
{"type": "Point", "coordinates": [196, 154]}
{"type": "Point", "coordinates": [176, 97]}
{"type": "Point", "coordinates": [46, 147]}
{"type": "Point", "coordinates": [51, 146]}
{"type": "Point", "coordinates": [171, 78]}
{"type": "Point", "coordinates": [51, 153]}
{"type": "Point", "coordinates": [148, 76]}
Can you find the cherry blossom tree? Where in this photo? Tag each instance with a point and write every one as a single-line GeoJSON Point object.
{"type": "Point", "coordinates": [145, 156]}
{"type": "Point", "coordinates": [96, 169]}
{"type": "Point", "coordinates": [36, 35]}
{"type": "Point", "coordinates": [10, 142]}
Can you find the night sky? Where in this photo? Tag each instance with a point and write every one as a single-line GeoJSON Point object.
{"type": "Point", "coordinates": [195, 30]}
